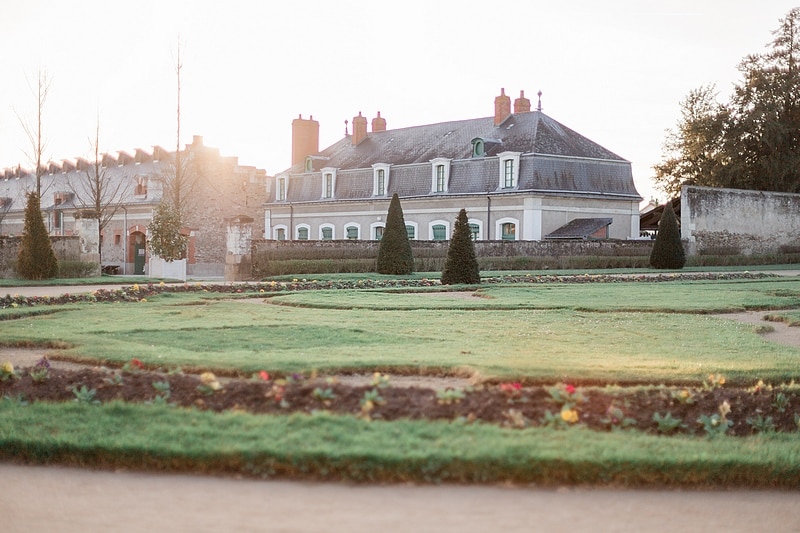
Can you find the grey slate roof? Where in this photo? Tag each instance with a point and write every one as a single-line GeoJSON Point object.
{"type": "Point", "coordinates": [555, 159]}
{"type": "Point", "coordinates": [579, 228]}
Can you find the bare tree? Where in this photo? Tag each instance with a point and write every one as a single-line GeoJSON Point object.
{"type": "Point", "coordinates": [180, 178]}
{"type": "Point", "coordinates": [100, 190]}
{"type": "Point", "coordinates": [33, 129]}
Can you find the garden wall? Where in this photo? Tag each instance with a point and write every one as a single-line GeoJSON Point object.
{"type": "Point", "coordinates": [65, 248]}
{"type": "Point", "coordinates": [271, 257]}
{"type": "Point", "coordinates": [718, 221]}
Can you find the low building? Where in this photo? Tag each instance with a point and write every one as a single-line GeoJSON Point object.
{"type": "Point", "coordinates": [134, 183]}
{"type": "Point", "coordinates": [520, 175]}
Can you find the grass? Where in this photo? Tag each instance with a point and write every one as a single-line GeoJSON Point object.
{"type": "Point", "coordinates": [323, 446]}
{"type": "Point", "coordinates": [585, 333]}
{"type": "Point", "coordinates": [638, 333]}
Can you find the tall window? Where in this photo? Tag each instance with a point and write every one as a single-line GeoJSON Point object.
{"type": "Point", "coordinates": [439, 232]}
{"type": "Point", "coordinates": [352, 232]}
{"type": "Point", "coordinates": [380, 185]}
{"type": "Point", "coordinates": [327, 233]}
{"type": "Point", "coordinates": [280, 234]}
{"type": "Point", "coordinates": [475, 230]}
{"type": "Point", "coordinates": [439, 178]}
{"type": "Point", "coordinates": [440, 174]}
{"type": "Point", "coordinates": [302, 233]}
{"type": "Point", "coordinates": [509, 169]}
{"type": "Point", "coordinates": [411, 231]}
{"type": "Point", "coordinates": [378, 233]}
{"type": "Point", "coordinates": [328, 184]}
{"type": "Point", "coordinates": [380, 179]}
{"type": "Point", "coordinates": [281, 193]}
{"type": "Point", "coordinates": [508, 231]}
{"type": "Point", "coordinates": [508, 173]}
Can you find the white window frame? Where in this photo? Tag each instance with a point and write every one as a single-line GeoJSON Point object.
{"type": "Point", "coordinates": [275, 229]}
{"type": "Point", "coordinates": [445, 163]}
{"type": "Point", "coordinates": [353, 225]}
{"type": "Point", "coordinates": [375, 171]}
{"type": "Point", "coordinates": [444, 223]}
{"type": "Point", "coordinates": [479, 223]}
{"type": "Point", "coordinates": [325, 172]}
{"type": "Point", "coordinates": [416, 229]}
{"type": "Point", "coordinates": [498, 227]}
{"type": "Point", "coordinates": [297, 231]}
{"type": "Point", "coordinates": [372, 229]}
{"type": "Point", "coordinates": [514, 158]}
{"type": "Point", "coordinates": [327, 225]}
{"type": "Point", "coordinates": [281, 187]}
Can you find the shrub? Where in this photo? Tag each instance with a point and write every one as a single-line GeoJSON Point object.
{"type": "Point", "coordinates": [394, 254]}
{"type": "Point", "coordinates": [36, 259]}
{"type": "Point", "coordinates": [77, 269]}
{"type": "Point", "coordinates": [668, 249]}
{"type": "Point", "coordinates": [461, 265]}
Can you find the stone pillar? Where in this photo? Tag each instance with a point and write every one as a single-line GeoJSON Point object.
{"type": "Point", "coordinates": [239, 255]}
{"type": "Point", "coordinates": [87, 229]}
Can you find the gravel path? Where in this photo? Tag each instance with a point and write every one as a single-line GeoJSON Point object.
{"type": "Point", "coordinates": [53, 499]}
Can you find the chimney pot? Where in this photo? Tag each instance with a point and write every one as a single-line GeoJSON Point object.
{"type": "Point", "coordinates": [378, 123]}
{"type": "Point", "coordinates": [522, 104]}
{"type": "Point", "coordinates": [359, 129]}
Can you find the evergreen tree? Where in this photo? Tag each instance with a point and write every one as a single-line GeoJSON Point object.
{"type": "Point", "coordinates": [166, 240]}
{"type": "Point", "coordinates": [394, 254]}
{"type": "Point", "coordinates": [668, 248]}
{"type": "Point", "coordinates": [36, 259]}
{"type": "Point", "coordinates": [461, 265]}
{"type": "Point", "coordinates": [750, 142]}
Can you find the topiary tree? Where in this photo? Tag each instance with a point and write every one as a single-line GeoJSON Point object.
{"type": "Point", "coordinates": [394, 254]}
{"type": "Point", "coordinates": [166, 240]}
{"type": "Point", "coordinates": [36, 259]}
{"type": "Point", "coordinates": [668, 248]}
{"type": "Point", "coordinates": [461, 265]}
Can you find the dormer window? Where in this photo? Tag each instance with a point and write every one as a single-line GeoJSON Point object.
{"type": "Point", "coordinates": [509, 170]}
{"type": "Point", "coordinates": [328, 182]}
{"type": "Point", "coordinates": [141, 186]}
{"type": "Point", "coordinates": [380, 179]}
{"type": "Point", "coordinates": [309, 164]}
{"type": "Point", "coordinates": [440, 174]}
{"type": "Point", "coordinates": [478, 148]}
{"type": "Point", "coordinates": [280, 189]}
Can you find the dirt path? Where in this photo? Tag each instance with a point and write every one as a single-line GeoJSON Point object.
{"type": "Point", "coordinates": [66, 499]}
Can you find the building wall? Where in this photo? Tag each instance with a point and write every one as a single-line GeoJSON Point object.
{"type": "Point", "coordinates": [738, 221]}
{"type": "Point", "coordinates": [534, 216]}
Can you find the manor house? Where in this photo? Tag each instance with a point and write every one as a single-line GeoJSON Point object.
{"type": "Point", "coordinates": [520, 175]}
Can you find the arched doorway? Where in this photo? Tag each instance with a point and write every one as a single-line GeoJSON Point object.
{"type": "Point", "coordinates": [137, 251]}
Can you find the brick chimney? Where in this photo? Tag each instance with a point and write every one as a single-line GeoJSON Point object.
{"type": "Point", "coordinates": [378, 123]}
{"type": "Point", "coordinates": [359, 129]}
{"type": "Point", "coordinates": [305, 138]}
{"type": "Point", "coordinates": [522, 104]}
{"type": "Point", "coordinates": [502, 107]}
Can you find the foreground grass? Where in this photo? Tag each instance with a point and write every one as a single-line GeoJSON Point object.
{"type": "Point", "coordinates": [323, 446]}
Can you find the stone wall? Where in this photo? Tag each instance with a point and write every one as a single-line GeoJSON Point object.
{"type": "Point", "coordinates": [65, 248]}
{"type": "Point", "coordinates": [718, 221]}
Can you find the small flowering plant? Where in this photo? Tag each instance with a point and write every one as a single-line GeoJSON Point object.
{"type": "Point", "coordinates": [565, 418]}
{"type": "Point", "coordinates": [717, 425]}
{"type": "Point", "coordinates": [133, 366]}
{"type": "Point", "coordinates": [565, 395]}
{"type": "Point", "coordinates": [7, 371]}
{"type": "Point", "coordinates": [714, 381]}
{"type": "Point", "coordinates": [209, 383]}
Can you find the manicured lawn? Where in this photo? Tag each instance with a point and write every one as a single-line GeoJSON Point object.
{"type": "Point", "coordinates": [646, 333]}
{"type": "Point", "coordinates": [323, 446]}
{"type": "Point", "coordinates": [543, 332]}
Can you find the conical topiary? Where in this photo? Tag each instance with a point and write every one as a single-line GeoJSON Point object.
{"type": "Point", "coordinates": [668, 249]}
{"type": "Point", "coordinates": [461, 265]}
{"type": "Point", "coordinates": [36, 259]}
{"type": "Point", "coordinates": [394, 255]}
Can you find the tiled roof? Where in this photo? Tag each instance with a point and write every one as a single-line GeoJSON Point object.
{"type": "Point", "coordinates": [555, 159]}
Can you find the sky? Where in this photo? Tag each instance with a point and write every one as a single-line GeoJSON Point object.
{"type": "Point", "coordinates": [615, 71]}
